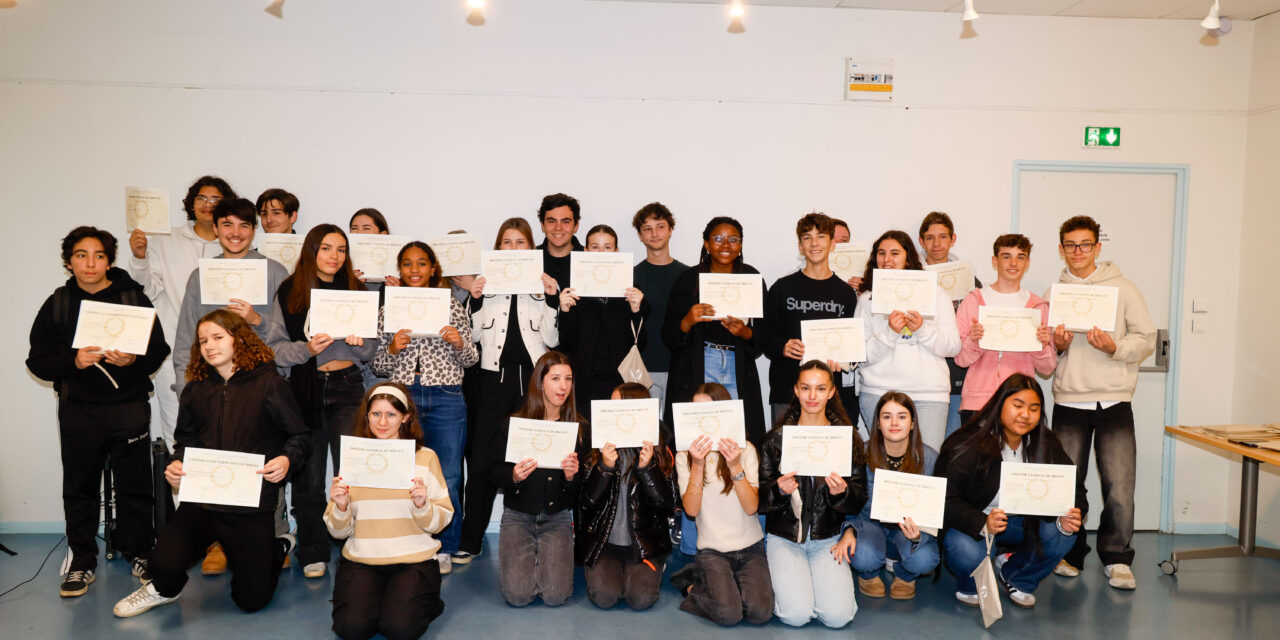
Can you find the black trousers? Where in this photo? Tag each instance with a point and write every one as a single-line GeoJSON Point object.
{"type": "Point", "coordinates": [248, 539]}
{"type": "Point", "coordinates": [617, 576]}
{"type": "Point", "coordinates": [90, 435]}
{"type": "Point", "coordinates": [499, 395]}
{"type": "Point", "coordinates": [329, 404]}
{"type": "Point", "coordinates": [397, 600]}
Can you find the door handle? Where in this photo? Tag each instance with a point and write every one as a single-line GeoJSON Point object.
{"type": "Point", "coordinates": [1162, 354]}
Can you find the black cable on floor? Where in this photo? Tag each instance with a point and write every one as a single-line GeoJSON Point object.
{"type": "Point", "coordinates": [37, 573]}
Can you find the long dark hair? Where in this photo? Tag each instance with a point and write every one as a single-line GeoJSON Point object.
{"type": "Point", "coordinates": [704, 258]}
{"type": "Point", "coordinates": [984, 434]}
{"type": "Point", "coordinates": [877, 457]}
{"type": "Point", "coordinates": [535, 405]}
{"type": "Point", "coordinates": [901, 237]}
{"type": "Point", "coordinates": [436, 280]}
{"type": "Point", "coordinates": [305, 276]}
{"type": "Point", "coordinates": [663, 457]}
{"type": "Point", "coordinates": [835, 412]}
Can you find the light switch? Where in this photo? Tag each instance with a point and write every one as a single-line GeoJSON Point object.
{"type": "Point", "coordinates": [1199, 306]}
{"type": "Point", "coordinates": [1199, 325]}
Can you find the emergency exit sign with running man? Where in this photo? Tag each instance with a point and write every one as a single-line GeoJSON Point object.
{"type": "Point", "coordinates": [1102, 136]}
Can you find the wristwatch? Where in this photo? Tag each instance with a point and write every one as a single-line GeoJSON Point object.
{"type": "Point", "coordinates": [741, 475]}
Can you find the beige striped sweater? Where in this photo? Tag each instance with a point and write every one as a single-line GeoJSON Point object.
{"type": "Point", "coordinates": [383, 527]}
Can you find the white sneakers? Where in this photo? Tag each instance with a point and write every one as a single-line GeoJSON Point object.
{"type": "Point", "coordinates": [315, 570]}
{"type": "Point", "coordinates": [1016, 596]}
{"type": "Point", "coordinates": [446, 564]}
{"type": "Point", "coordinates": [140, 601]}
{"type": "Point", "coordinates": [1065, 569]}
{"type": "Point", "coordinates": [1120, 576]}
{"type": "Point", "coordinates": [970, 599]}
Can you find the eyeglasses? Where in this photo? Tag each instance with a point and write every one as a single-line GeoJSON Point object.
{"type": "Point", "coordinates": [209, 199]}
{"type": "Point", "coordinates": [376, 416]}
{"type": "Point", "coordinates": [1083, 247]}
{"type": "Point", "coordinates": [732, 240]}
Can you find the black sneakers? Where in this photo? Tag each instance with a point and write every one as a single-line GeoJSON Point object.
{"type": "Point", "coordinates": [76, 583]}
{"type": "Point", "coordinates": [142, 570]}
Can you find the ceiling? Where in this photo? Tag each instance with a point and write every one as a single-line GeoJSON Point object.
{"type": "Point", "coordinates": [1161, 9]}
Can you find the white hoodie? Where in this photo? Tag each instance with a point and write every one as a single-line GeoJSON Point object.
{"type": "Point", "coordinates": [914, 365]}
{"type": "Point", "coordinates": [163, 273]}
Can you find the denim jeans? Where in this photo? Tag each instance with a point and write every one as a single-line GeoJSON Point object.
{"type": "Point", "coordinates": [953, 414]}
{"type": "Point", "coordinates": [718, 365]}
{"type": "Point", "coordinates": [535, 557]}
{"type": "Point", "coordinates": [1024, 570]}
{"type": "Point", "coordinates": [808, 583]}
{"type": "Point", "coordinates": [877, 541]}
{"type": "Point", "coordinates": [443, 415]}
{"type": "Point", "coordinates": [931, 415]}
{"type": "Point", "coordinates": [732, 586]}
{"type": "Point", "coordinates": [1110, 431]}
{"type": "Point", "coordinates": [338, 394]}
{"type": "Point", "coordinates": [659, 388]}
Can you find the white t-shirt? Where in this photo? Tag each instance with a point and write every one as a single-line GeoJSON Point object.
{"type": "Point", "coordinates": [1016, 300]}
{"type": "Point", "coordinates": [722, 524]}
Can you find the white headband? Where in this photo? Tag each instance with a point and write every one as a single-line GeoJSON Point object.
{"type": "Point", "coordinates": [391, 391]}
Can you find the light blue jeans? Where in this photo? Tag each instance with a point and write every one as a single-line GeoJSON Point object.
{"type": "Point", "coordinates": [877, 541]}
{"type": "Point", "coordinates": [931, 415]}
{"type": "Point", "coordinates": [719, 365]}
{"type": "Point", "coordinates": [808, 583]}
{"type": "Point", "coordinates": [953, 414]}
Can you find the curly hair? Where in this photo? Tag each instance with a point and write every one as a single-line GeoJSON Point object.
{"type": "Point", "coordinates": [250, 351]}
{"type": "Point", "coordinates": [77, 234]}
{"type": "Point", "coordinates": [189, 202]}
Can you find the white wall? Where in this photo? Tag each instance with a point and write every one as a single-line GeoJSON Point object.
{"type": "Point", "coordinates": [403, 106]}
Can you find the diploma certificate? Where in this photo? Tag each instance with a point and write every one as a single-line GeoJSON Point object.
{"type": "Point", "coordinates": [600, 274]}
{"type": "Point", "coordinates": [1082, 306]}
{"type": "Point", "coordinates": [421, 310]}
{"type": "Point", "coordinates": [817, 450]}
{"type": "Point", "coordinates": [740, 295]}
{"type": "Point", "coordinates": [546, 441]}
{"type": "Point", "coordinates": [716, 420]}
{"type": "Point", "coordinates": [849, 260]}
{"type": "Point", "coordinates": [376, 463]}
{"type": "Point", "coordinates": [624, 423]}
{"type": "Point", "coordinates": [458, 253]}
{"type": "Point", "coordinates": [227, 478]}
{"type": "Point", "coordinates": [343, 313]}
{"type": "Point", "coordinates": [904, 290]}
{"type": "Point", "coordinates": [896, 495]}
{"type": "Point", "coordinates": [374, 254]}
{"type": "Point", "coordinates": [147, 209]}
{"type": "Point", "coordinates": [512, 272]}
{"type": "Point", "coordinates": [956, 278]}
{"type": "Point", "coordinates": [1009, 329]}
{"type": "Point", "coordinates": [839, 339]}
{"type": "Point", "coordinates": [1030, 489]}
{"type": "Point", "coordinates": [114, 326]}
{"type": "Point", "coordinates": [281, 247]}
{"type": "Point", "coordinates": [244, 279]}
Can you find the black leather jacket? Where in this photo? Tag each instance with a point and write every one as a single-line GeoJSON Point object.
{"type": "Point", "coordinates": [821, 513]}
{"type": "Point", "coordinates": [651, 501]}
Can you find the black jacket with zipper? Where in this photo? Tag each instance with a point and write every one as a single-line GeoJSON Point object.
{"type": "Point", "coordinates": [253, 412]}
{"type": "Point", "coordinates": [651, 501]}
{"type": "Point", "coordinates": [821, 513]}
{"type": "Point", "coordinates": [545, 490]}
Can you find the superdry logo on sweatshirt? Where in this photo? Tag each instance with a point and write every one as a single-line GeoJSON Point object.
{"type": "Point", "coordinates": [805, 306]}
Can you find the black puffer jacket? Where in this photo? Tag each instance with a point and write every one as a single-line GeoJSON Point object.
{"type": "Point", "coordinates": [821, 513]}
{"type": "Point", "coordinates": [650, 501]}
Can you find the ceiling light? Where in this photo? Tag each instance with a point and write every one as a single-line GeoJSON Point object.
{"type": "Point", "coordinates": [1212, 21]}
{"type": "Point", "coordinates": [969, 13]}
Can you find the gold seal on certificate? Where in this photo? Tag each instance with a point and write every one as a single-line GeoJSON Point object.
{"type": "Point", "coordinates": [243, 279]}
{"type": "Point", "coordinates": [1032, 489]}
{"type": "Point", "coordinates": [541, 442]}
{"type": "Point", "coordinates": [232, 281]}
{"type": "Point", "coordinates": [840, 339]}
{"type": "Point", "coordinates": [1009, 329]}
{"type": "Point", "coordinates": [956, 278]}
{"type": "Point", "coordinates": [281, 247]}
{"type": "Point", "coordinates": [600, 274]}
{"type": "Point", "coordinates": [222, 476]}
{"type": "Point", "coordinates": [228, 478]}
{"type": "Point", "coordinates": [377, 464]}
{"type": "Point", "coordinates": [421, 310]}
{"type": "Point", "coordinates": [896, 495]}
{"type": "Point", "coordinates": [904, 290]}
{"type": "Point", "coordinates": [459, 253]}
{"type": "Point", "coordinates": [740, 295]}
{"type": "Point", "coordinates": [343, 313]}
{"type": "Point", "coordinates": [849, 260]}
{"type": "Point", "coordinates": [511, 272]}
{"type": "Point", "coordinates": [147, 210]}
{"type": "Point", "coordinates": [545, 441]}
{"type": "Point", "coordinates": [113, 327]}
{"type": "Point", "coordinates": [417, 309]}
{"type": "Point", "coordinates": [624, 423]}
{"type": "Point", "coordinates": [1082, 307]}
{"type": "Point", "coordinates": [908, 497]}
{"type": "Point", "coordinates": [714, 420]}
{"type": "Point", "coordinates": [374, 254]}
{"type": "Point", "coordinates": [817, 450]}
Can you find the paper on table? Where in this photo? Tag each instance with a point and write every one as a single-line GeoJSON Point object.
{"type": "Point", "coordinates": [343, 313]}
{"type": "Point", "coordinates": [904, 290]}
{"type": "Point", "coordinates": [1009, 329]}
{"type": "Point", "coordinates": [147, 209]}
{"type": "Point", "coordinates": [1031, 489]}
{"type": "Point", "coordinates": [740, 295]}
{"type": "Point", "coordinates": [839, 339]}
{"type": "Point", "coordinates": [512, 272]}
{"type": "Point", "coordinates": [898, 495]}
{"type": "Point", "coordinates": [716, 420]}
{"type": "Point", "coordinates": [849, 260]}
{"type": "Point", "coordinates": [817, 450]}
{"type": "Point", "coordinates": [956, 278]}
{"type": "Point", "coordinates": [281, 247]}
{"type": "Point", "coordinates": [377, 464]}
{"type": "Point", "coordinates": [546, 441]}
{"type": "Point", "coordinates": [244, 279]}
{"type": "Point", "coordinates": [1082, 307]}
{"type": "Point", "coordinates": [114, 326]}
{"type": "Point", "coordinates": [374, 254]}
{"type": "Point", "coordinates": [600, 274]}
{"type": "Point", "coordinates": [624, 423]}
{"type": "Point", "coordinates": [421, 310]}
{"type": "Point", "coordinates": [458, 253]}
{"type": "Point", "coordinates": [227, 478]}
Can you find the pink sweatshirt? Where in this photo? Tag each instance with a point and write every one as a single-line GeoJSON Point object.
{"type": "Point", "coordinates": [987, 369]}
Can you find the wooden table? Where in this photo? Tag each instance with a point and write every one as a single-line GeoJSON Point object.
{"type": "Point", "coordinates": [1250, 458]}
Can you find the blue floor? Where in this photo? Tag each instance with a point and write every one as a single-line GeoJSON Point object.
{"type": "Point", "coordinates": [1236, 598]}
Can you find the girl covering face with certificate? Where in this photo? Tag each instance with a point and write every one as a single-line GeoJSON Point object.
{"type": "Point", "coordinates": [389, 583]}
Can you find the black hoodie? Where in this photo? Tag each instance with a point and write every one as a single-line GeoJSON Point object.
{"type": "Point", "coordinates": [52, 358]}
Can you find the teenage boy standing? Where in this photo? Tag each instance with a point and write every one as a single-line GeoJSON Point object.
{"type": "Point", "coordinates": [103, 409]}
{"type": "Point", "coordinates": [559, 215]}
{"type": "Point", "coordinates": [279, 211]}
{"type": "Point", "coordinates": [654, 276]}
{"type": "Point", "coordinates": [1093, 392]}
{"type": "Point", "coordinates": [937, 237]}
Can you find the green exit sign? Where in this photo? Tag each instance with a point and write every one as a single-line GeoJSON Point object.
{"type": "Point", "coordinates": [1102, 136]}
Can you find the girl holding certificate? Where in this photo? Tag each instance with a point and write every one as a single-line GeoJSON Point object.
{"type": "Point", "coordinates": [514, 331]}
{"type": "Point", "coordinates": [626, 499]}
{"type": "Point", "coordinates": [803, 514]}
{"type": "Point", "coordinates": [1010, 427]}
{"type": "Point", "coordinates": [371, 221]}
{"type": "Point", "coordinates": [234, 401]}
{"type": "Point", "coordinates": [325, 377]}
{"type": "Point", "coordinates": [431, 369]}
{"type": "Point", "coordinates": [599, 332]}
{"type": "Point", "coordinates": [729, 579]}
{"type": "Point", "coordinates": [907, 351]}
{"type": "Point", "coordinates": [388, 579]}
{"type": "Point", "coordinates": [895, 445]}
{"type": "Point", "coordinates": [535, 541]}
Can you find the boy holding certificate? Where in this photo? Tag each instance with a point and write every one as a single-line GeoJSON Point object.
{"type": "Point", "coordinates": [937, 237]}
{"type": "Point", "coordinates": [103, 409]}
{"type": "Point", "coordinates": [1093, 388]}
{"type": "Point", "coordinates": [987, 368]}
{"type": "Point", "coordinates": [654, 276]}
